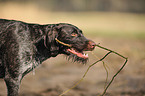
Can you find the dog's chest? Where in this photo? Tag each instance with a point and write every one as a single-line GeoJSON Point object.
{"type": "Point", "coordinates": [27, 67]}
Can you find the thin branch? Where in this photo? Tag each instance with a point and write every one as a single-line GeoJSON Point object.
{"type": "Point", "coordinates": [105, 90]}
{"type": "Point", "coordinates": [126, 60]}
{"type": "Point", "coordinates": [84, 74]}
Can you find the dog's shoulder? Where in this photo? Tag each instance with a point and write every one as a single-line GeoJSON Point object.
{"type": "Point", "coordinates": [6, 21]}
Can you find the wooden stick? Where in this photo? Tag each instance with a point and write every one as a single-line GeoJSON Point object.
{"type": "Point", "coordinates": [110, 51]}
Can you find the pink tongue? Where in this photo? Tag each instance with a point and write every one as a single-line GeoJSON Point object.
{"type": "Point", "coordinates": [78, 54]}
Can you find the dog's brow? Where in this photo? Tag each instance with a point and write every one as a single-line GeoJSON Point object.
{"type": "Point", "coordinates": [74, 31]}
{"type": "Point", "coordinates": [81, 31]}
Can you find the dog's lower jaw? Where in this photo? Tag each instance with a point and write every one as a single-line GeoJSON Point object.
{"type": "Point", "coordinates": [75, 58]}
{"type": "Point", "coordinates": [54, 53]}
{"type": "Point", "coordinates": [79, 54]}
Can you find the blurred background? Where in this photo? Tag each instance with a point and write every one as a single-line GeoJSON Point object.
{"type": "Point", "coordinates": [116, 24]}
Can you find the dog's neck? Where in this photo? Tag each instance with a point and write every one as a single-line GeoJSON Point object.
{"type": "Point", "coordinates": [44, 49]}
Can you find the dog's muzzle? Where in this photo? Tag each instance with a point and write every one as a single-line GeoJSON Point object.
{"type": "Point", "coordinates": [90, 46]}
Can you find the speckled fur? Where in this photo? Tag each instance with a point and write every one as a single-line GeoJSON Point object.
{"type": "Point", "coordinates": [24, 46]}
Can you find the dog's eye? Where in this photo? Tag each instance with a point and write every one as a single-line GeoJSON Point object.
{"type": "Point", "coordinates": [74, 34]}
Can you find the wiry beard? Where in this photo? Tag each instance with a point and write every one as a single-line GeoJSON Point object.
{"type": "Point", "coordinates": [75, 58]}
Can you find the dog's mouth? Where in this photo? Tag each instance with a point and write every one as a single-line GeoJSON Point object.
{"type": "Point", "coordinates": [78, 53]}
{"type": "Point", "coordinates": [76, 56]}
{"type": "Point", "coordinates": [74, 53]}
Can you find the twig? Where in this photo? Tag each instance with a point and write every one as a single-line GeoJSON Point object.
{"type": "Point", "coordinates": [126, 59]}
{"type": "Point", "coordinates": [110, 51]}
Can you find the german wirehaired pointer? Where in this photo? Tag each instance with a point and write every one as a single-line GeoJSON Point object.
{"type": "Point", "coordinates": [24, 46]}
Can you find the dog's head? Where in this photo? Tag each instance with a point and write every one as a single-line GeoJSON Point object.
{"type": "Point", "coordinates": [71, 42]}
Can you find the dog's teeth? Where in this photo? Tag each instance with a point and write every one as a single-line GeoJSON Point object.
{"type": "Point", "coordinates": [73, 49]}
{"type": "Point", "coordinates": [86, 54]}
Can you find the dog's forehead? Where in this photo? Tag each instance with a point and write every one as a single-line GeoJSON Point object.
{"type": "Point", "coordinates": [72, 28]}
{"type": "Point", "coordinates": [69, 28]}
{"type": "Point", "coordinates": [67, 25]}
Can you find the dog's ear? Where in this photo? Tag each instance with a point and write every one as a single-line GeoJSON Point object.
{"type": "Point", "coordinates": [52, 34]}
{"type": "Point", "coordinates": [49, 41]}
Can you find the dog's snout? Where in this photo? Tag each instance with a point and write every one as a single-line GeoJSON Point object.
{"type": "Point", "coordinates": [90, 46]}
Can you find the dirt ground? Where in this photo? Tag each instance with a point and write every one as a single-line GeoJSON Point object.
{"type": "Point", "coordinates": [58, 74]}
{"type": "Point", "coordinates": [121, 32]}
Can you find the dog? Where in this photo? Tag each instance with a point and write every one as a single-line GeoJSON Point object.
{"type": "Point", "coordinates": [23, 46]}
